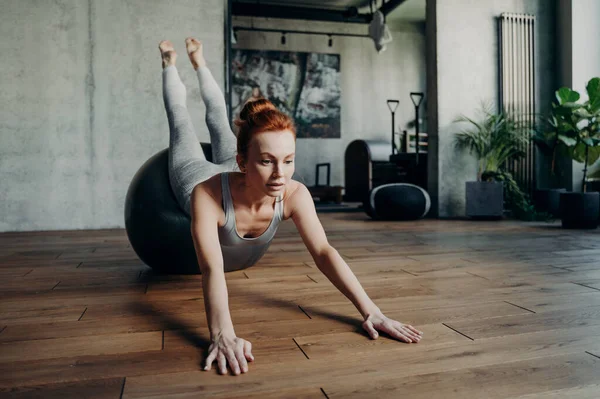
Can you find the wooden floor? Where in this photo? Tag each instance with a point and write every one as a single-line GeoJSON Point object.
{"type": "Point", "coordinates": [508, 310]}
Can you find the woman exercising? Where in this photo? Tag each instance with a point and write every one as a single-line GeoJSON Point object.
{"type": "Point", "coordinates": [237, 202]}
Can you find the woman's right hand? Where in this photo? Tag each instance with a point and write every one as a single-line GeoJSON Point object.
{"type": "Point", "coordinates": [226, 348]}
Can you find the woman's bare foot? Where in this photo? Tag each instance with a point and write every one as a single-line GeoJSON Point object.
{"type": "Point", "coordinates": [194, 50]}
{"type": "Point", "coordinates": [167, 52]}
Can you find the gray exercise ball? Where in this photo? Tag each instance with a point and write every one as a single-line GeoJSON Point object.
{"type": "Point", "coordinates": [158, 229]}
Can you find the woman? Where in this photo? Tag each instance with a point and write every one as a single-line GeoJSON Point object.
{"type": "Point", "coordinates": [237, 202]}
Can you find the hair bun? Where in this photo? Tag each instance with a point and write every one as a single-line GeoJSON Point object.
{"type": "Point", "coordinates": [259, 115]}
{"type": "Point", "coordinates": [254, 107]}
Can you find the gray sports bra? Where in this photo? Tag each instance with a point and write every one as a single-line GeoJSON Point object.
{"type": "Point", "coordinates": [238, 252]}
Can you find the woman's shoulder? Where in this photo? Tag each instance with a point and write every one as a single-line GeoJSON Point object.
{"type": "Point", "coordinates": [293, 193]}
{"type": "Point", "coordinates": [292, 187]}
{"type": "Point", "coordinates": [211, 187]}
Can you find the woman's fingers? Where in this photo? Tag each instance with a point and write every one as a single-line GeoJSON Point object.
{"type": "Point", "coordinates": [368, 326]}
{"type": "Point", "coordinates": [232, 360]}
{"type": "Point", "coordinates": [248, 351]}
{"type": "Point", "coordinates": [210, 359]}
{"type": "Point", "coordinates": [222, 363]}
{"type": "Point", "coordinates": [236, 357]}
{"type": "Point", "coordinates": [399, 335]}
{"type": "Point", "coordinates": [407, 330]}
{"type": "Point", "coordinates": [413, 329]}
{"type": "Point", "coordinates": [239, 354]}
{"type": "Point", "coordinates": [397, 330]}
{"type": "Point", "coordinates": [409, 333]}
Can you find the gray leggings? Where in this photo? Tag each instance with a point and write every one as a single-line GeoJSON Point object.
{"type": "Point", "coordinates": [187, 164]}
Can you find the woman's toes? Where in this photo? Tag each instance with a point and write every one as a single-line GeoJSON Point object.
{"type": "Point", "coordinates": [167, 52]}
{"type": "Point", "coordinates": [194, 50]}
{"type": "Point", "coordinates": [165, 45]}
{"type": "Point", "coordinates": [192, 45]}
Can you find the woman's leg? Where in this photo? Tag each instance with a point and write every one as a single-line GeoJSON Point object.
{"type": "Point", "coordinates": [187, 164]}
{"type": "Point", "coordinates": [222, 139]}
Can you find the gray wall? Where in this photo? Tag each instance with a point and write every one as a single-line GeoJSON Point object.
{"type": "Point", "coordinates": [580, 61]}
{"type": "Point", "coordinates": [368, 79]}
{"type": "Point", "coordinates": [81, 105]}
{"type": "Point", "coordinates": [464, 41]}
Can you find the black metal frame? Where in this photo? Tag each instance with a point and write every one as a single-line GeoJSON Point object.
{"type": "Point", "coordinates": [227, 63]}
{"type": "Point", "coordinates": [327, 165]}
{"type": "Point", "coordinates": [351, 15]}
{"type": "Point", "coordinates": [287, 12]}
{"type": "Point", "coordinates": [303, 32]}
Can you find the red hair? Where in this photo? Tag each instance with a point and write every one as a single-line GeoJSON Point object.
{"type": "Point", "coordinates": [258, 116]}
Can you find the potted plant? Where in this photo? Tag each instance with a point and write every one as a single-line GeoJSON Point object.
{"type": "Point", "coordinates": [546, 140]}
{"type": "Point", "coordinates": [593, 181]}
{"type": "Point", "coordinates": [497, 138]}
{"type": "Point", "coordinates": [577, 126]}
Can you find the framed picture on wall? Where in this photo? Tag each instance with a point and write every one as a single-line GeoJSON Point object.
{"type": "Point", "coordinates": [306, 86]}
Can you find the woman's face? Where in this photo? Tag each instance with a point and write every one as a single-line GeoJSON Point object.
{"type": "Point", "coordinates": [270, 163]}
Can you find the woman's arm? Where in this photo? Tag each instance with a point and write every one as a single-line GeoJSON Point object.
{"type": "Point", "coordinates": [328, 260]}
{"type": "Point", "coordinates": [225, 346]}
{"type": "Point", "coordinates": [331, 264]}
{"type": "Point", "coordinates": [210, 259]}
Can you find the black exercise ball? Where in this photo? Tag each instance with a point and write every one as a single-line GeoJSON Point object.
{"type": "Point", "coordinates": [397, 201]}
{"type": "Point", "coordinates": [158, 229]}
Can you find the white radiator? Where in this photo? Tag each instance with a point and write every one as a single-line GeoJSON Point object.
{"type": "Point", "coordinates": [517, 84]}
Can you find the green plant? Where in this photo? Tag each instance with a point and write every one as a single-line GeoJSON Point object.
{"type": "Point", "coordinates": [576, 125]}
{"type": "Point", "coordinates": [546, 140]}
{"type": "Point", "coordinates": [516, 199]}
{"type": "Point", "coordinates": [595, 175]}
{"type": "Point", "coordinates": [494, 140]}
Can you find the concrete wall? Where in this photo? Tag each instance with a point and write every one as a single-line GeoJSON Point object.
{"type": "Point", "coordinates": [81, 105]}
{"type": "Point", "coordinates": [368, 79]}
{"type": "Point", "coordinates": [466, 57]}
{"type": "Point", "coordinates": [580, 60]}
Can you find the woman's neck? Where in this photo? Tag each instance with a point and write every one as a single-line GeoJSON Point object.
{"type": "Point", "coordinates": [247, 196]}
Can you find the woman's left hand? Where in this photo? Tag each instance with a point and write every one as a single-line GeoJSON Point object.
{"type": "Point", "coordinates": [402, 332]}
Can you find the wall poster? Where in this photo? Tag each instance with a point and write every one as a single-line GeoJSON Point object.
{"type": "Point", "coordinates": [306, 86]}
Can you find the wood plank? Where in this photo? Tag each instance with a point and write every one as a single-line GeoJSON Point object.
{"type": "Point", "coordinates": [194, 313]}
{"type": "Point", "coordinates": [520, 324]}
{"type": "Point", "coordinates": [298, 269]}
{"type": "Point", "coordinates": [325, 346]}
{"type": "Point", "coordinates": [494, 381]}
{"type": "Point", "coordinates": [561, 302]}
{"type": "Point", "coordinates": [43, 315]}
{"type": "Point", "coordinates": [428, 316]}
{"type": "Point", "coordinates": [25, 332]}
{"type": "Point", "coordinates": [92, 389]}
{"type": "Point", "coordinates": [103, 344]}
{"type": "Point", "coordinates": [85, 367]}
{"type": "Point", "coordinates": [580, 392]}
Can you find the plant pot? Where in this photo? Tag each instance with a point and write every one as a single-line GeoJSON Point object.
{"type": "Point", "coordinates": [484, 200]}
{"type": "Point", "coordinates": [593, 184]}
{"type": "Point", "coordinates": [580, 210]}
{"type": "Point", "coordinates": [548, 200]}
